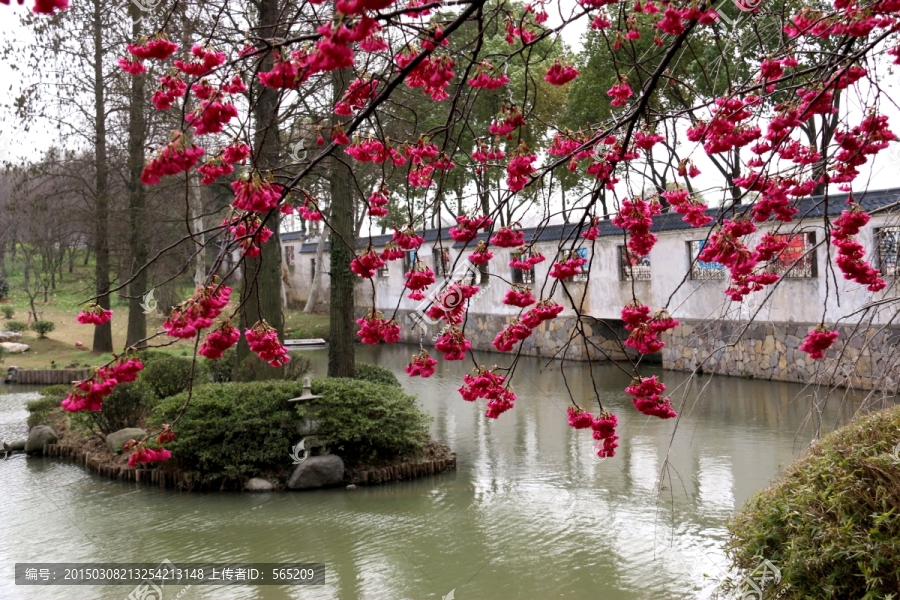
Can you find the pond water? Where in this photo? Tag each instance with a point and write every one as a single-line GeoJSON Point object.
{"type": "Point", "coordinates": [529, 513]}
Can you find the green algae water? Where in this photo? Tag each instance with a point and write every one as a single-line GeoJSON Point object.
{"type": "Point", "coordinates": [528, 514]}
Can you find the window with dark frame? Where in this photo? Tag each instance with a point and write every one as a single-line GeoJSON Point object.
{"type": "Point", "coordinates": [888, 241]}
{"type": "Point", "coordinates": [582, 274]}
{"type": "Point", "coordinates": [312, 268]}
{"type": "Point", "coordinates": [704, 271]}
{"type": "Point", "coordinates": [289, 255]}
{"type": "Point", "coordinates": [521, 275]}
{"type": "Point", "coordinates": [384, 272]}
{"type": "Point", "coordinates": [485, 274]}
{"type": "Point", "coordinates": [409, 259]}
{"type": "Point", "coordinates": [631, 267]}
{"type": "Point", "coordinates": [798, 259]}
{"type": "Point", "coordinates": [441, 262]}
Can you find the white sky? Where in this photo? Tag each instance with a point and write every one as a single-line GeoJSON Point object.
{"type": "Point", "coordinates": [15, 145]}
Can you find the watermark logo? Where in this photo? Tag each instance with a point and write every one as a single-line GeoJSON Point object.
{"type": "Point", "coordinates": [299, 152]}
{"type": "Point", "coordinates": [450, 596]}
{"type": "Point", "coordinates": [147, 5]}
{"type": "Point", "coordinates": [296, 450]}
{"type": "Point", "coordinates": [754, 584]}
{"type": "Point", "coordinates": [144, 6]}
{"type": "Point", "coordinates": [149, 303]}
{"type": "Point", "coordinates": [596, 453]}
{"type": "Point", "coordinates": [893, 153]}
{"type": "Point", "coordinates": [151, 589]}
{"type": "Point", "coordinates": [447, 297]}
{"type": "Point", "coordinates": [744, 6]}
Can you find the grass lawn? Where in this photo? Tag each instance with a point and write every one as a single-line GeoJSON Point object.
{"type": "Point", "coordinates": [298, 325]}
{"type": "Point", "coordinates": [59, 350]}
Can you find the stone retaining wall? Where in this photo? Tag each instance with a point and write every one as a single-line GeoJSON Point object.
{"type": "Point", "coordinates": [860, 358]}
{"type": "Point", "coordinates": [547, 340]}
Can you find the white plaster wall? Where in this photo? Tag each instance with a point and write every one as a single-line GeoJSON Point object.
{"type": "Point", "coordinates": [792, 299]}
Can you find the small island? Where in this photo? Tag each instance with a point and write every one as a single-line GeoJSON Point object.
{"type": "Point", "coordinates": [282, 433]}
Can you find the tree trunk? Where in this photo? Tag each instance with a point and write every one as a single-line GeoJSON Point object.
{"type": "Point", "coordinates": [196, 205]}
{"type": "Point", "coordinates": [137, 218]}
{"type": "Point", "coordinates": [341, 353]}
{"type": "Point", "coordinates": [102, 333]}
{"type": "Point", "coordinates": [313, 297]}
{"type": "Point", "coordinates": [261, 279]}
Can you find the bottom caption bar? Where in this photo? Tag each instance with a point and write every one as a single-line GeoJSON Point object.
{"type": "Point", "coordinates": [169, 573]}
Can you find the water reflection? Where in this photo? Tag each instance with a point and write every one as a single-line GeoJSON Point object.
{"type": "Point", "coordinates": [529, 513]}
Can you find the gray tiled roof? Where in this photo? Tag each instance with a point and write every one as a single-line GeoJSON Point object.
{"type": "Point", "coordinates": [811, 207]}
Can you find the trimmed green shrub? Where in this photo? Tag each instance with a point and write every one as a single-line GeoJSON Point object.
{"type": "Point", "coordinates": [221, 369]}
{"type": "Point", "coordinates": [8, 312]}
{"type": "Point", "coordinates": [39, 410]}
{"type": "Point", "coordinates": [376, 374]}
{"type": "Point", "coordinates": [42, 328]}
{"type": "Point", "coordinates": [831, 522]}
{"type": "Point", "coordinates": [234, 429]}
{"type": "Point", "coordinates": [363, 421]}
{"type": "Point", "coordinates": [254, 369]}
{"type": "Point", "coordinates": [17, 326]}
{"type": "Point", "coordinates": [167, 375]}
{"type": "Point", "coordinates": [127, 406]}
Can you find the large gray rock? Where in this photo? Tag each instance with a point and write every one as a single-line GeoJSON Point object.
{"type": "Point", "coordinates": [17, 446]}
{"type": "Point", "coordinates": [10, 336]}
{"type": "Point", "coordinates": [38, 437]}
{"type": "Point", "coordinates": [13, 348]}
{"type": "Point", "coordinates": [117, 439]}
{"type": "Point", "coordinates": [258, 484]}
{"type": "Point", "coordinates": [317, 472]}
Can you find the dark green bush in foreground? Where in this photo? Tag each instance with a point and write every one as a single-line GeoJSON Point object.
{"type": "Point", "coordinates": [363, 421]}
{"type": "Point", "coordinates": [167, 375]}
{"type": "Point", "coordinates": [376, 374]}
{"type": "Point", "coordinates": [831, 523]}
{"type": "Point", "coordinates": [222, 369]}
{"type": "Point", "coordinates": [254, 369]}
{"type": "Point", "coordinates": [233, 429]}
{"type": "Point", "coordinates": [238, 430]}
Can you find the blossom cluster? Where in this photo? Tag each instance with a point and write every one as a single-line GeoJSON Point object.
{"type": "Point", "coordinates": [94, 314]}
{"type": "Point", "coordinates": [646, 397]}
{"type": "Point", "coordinates": [603, 427]}
{"type": "Point", "coordinates": [488, 384]}
{"type": "Point", "coordinates": [851, 254]}
{"type": "Point", "coordinates": [643, 329]}
{"type": "Point", "coordinates": [198, 312]}
{"type": "Point", "coordinates": [818, 341]}
{"type": "Point", "coordinates": [374, 328]}
{"type": "Point", "coordinates": [88, 394]}
{"type": "Point", "coordinates": [263, 340]}
{"type": "Point", "coordinates": [636, 217]}
{"type": "Point", "coordinates": [421, 365]}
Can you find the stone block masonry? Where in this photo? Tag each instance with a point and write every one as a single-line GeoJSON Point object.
{"type": "Point", "coordinates": [547, 341]}
{"type": "Point", "coordinates": [863, 357]}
